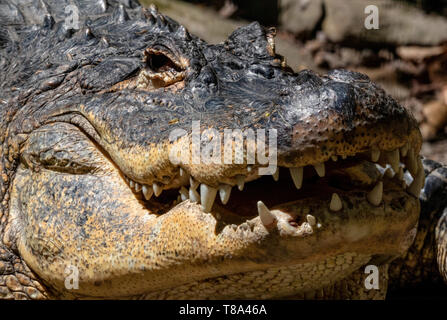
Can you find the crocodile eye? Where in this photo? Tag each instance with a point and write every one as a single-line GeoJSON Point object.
{"type": "Point", "coordinates": [159, 62]}
{"type": "Point", "coordinates": [162, 69]}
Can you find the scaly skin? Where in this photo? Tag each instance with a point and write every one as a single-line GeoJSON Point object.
{"type": "Point", "coordinates": [87, 123]}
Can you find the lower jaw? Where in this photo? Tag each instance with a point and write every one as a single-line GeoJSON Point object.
{"type": "Point", "coordinates": [252, 260]}
{"type": "Point", "coordinates": [280, 261]}
{"type": "Point", "coordinates": [292, 259]}
{"type": "Point", "coordinates": [275, 282]}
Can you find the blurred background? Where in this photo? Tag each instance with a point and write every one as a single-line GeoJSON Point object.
{"type": "Point", "coordinates": [407, 55]}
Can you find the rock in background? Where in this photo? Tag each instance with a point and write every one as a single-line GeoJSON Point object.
{"type": "Point", "coordinates": [301, 17]}
{"type": "Point", "coordinates": [399, 24]}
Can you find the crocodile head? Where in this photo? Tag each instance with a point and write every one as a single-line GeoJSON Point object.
{"type": "Point", "coordinates": [157, 165]}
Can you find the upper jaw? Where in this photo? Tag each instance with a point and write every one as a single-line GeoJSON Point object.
{"type": "Point", "coordinates": [311, 128]}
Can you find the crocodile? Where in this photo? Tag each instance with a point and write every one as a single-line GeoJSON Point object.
{"type": "Point", "coordinates": [113, 182]}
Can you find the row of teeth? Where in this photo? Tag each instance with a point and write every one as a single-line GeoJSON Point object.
{"type": "Point", "coordinates": [207, 194]}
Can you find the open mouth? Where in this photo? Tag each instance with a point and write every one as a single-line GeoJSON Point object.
{"type": "Point", "coordinates": [243, 197]}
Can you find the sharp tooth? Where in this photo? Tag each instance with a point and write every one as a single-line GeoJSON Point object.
{"type": "Point", "coordinates": [297, 176]}
{"type": "Point", "coordinates": [336, 204]}
{"type": "Point", "coordinates": [193, 183]}
{"type": "Point", "coordinates": [147, 192]}
{"type": "Point", "coordinates": [375, 154]}
{"type": "Point", "coordinates": [417, 184]}
{"type": "Point", "coordinates": [194, 196]}
{"type": "Point", "coordinates": [375, 195]}
{"type": "Point", "coordinates": [249, 168]}
{"type": "Point", "coordinates": [408, 179]}
{"type": "Point", "coordinates": [127, 179]}
{"type": "Point", "coordinates": [389, 172]}
{"type": "Point", "coordinates": [334, 158]}
{"type": "Point", "coordinates": [157, 189]}
{"type": "Point", "coordinates": [137, 187]}
{"type": "Point", "coordinates": [131, 184]}
{"type": "Point", "coordinates": [267, 218]}
{"type": "Point", "coordinates": [240, 180]}
{"type": "Point", "coordinates": [311, 220]}
{"type": "Point", "coordinates": [224, 193]}
{"type": "Point", "coordinates": [381, 169]}
{"type": "Point", "coordinates": [411, 163]}
{"type": "Point", "coordinates": [183, 173]}
{"type": "Point", "coordinates": [319, 168]}
{"type": "Point", "coordinates": [344, 156]}
{"type": "Point", "coordinates": [276, 174]}
{"type": "Point", "coordinates": [184, 194]}
{"type": "Point", "coordinates": [404, 150]}
{"type": "Point", "coordinates": [207, 197]}
{"type": "Point", "coordinates": [393, 158]}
